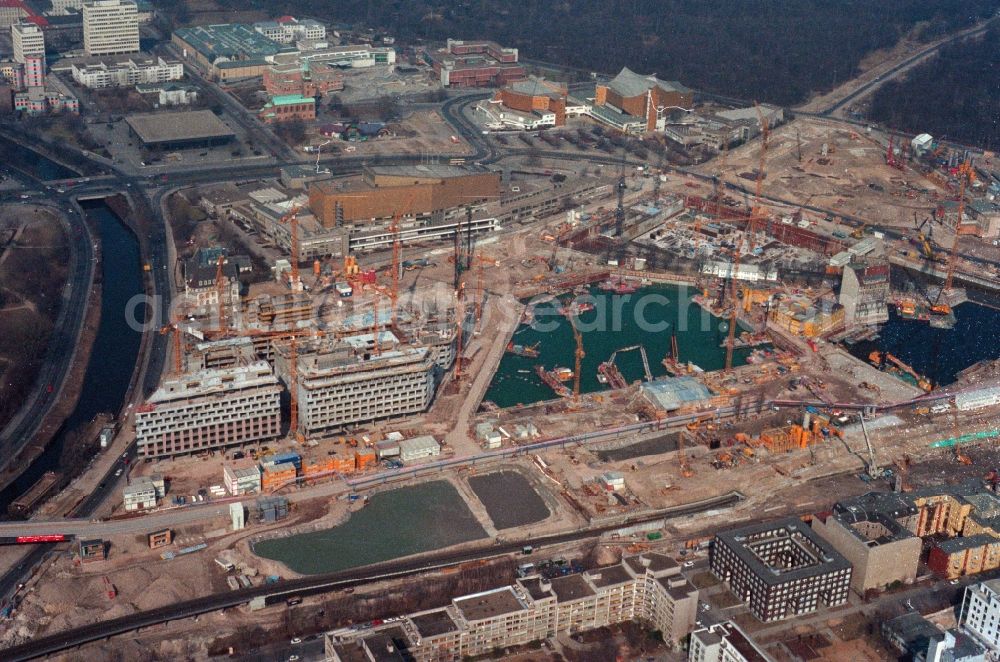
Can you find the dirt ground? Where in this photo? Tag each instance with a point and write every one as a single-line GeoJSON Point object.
{"type": "Point", "coordinates": [419, 132]}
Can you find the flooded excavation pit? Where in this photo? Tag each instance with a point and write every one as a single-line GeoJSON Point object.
{"type": "Point", "coordinates": [663, 444]}
{"type": "Point", "coordinates": [397, 523]}
{"type": "Point", "coordinates": [509, 498]}
{"type": "Point", "coordinates": [625, 336]}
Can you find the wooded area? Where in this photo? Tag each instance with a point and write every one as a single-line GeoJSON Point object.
{"type": "Point", "coordinates": [955, 96]}
{"type": "Point", "coordinates": [770, 50]}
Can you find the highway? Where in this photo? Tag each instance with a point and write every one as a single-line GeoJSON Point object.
{"type": "Point", "coordinates": [325, 583]}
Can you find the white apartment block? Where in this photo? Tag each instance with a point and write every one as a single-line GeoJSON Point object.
{"type": "Point", "coordinates": [141, 494]}
{"type": "Point", "coordinates": [128, 73]}
{"type": "Point", "coordinates": [110, 27]}
{"type": "Point", "coordinates": [241, 479]}
{"type": "Point", "coordinates": [210, 409]}
{"type": "Point", "coordinates": [349, 382]}
{"type": "Point", "coordinates": [724, 642]}
{"type": "Point", "coordinates": [289, 30]}
{"type": "Point", "coordinates": [646, 588]}
{"type": "Point", "coordinates": [28, 41]}
{"type": "Point", "coordinates": [980, 613]}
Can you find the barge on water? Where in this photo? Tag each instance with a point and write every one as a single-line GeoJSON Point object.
{"type": "Point", "coordinates": [25, 504]}
{"type": "Point", "coordinates": [527, 351]}
{"type": "Point", "coordinates": [553, 379]}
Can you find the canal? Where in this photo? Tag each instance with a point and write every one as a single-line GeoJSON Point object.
{"type": "Point", "coordinates": [647, 317]}
{"type": "Point", "coordinates": [397, 523]}
{"type": "Point", "coordinates": [939, 354]}
{"type": "Point", "coordinates": [116, 346]}
{"type": "Point", "coordinates": [34, 164]}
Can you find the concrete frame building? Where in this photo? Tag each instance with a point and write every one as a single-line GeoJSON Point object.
{"type": "Point", "coordinates": [476, 64]}
{"type": "Point", "coordinates": [980, 612]}
{"type": "Point", "coordinates": [347, 381]}
{"type": "Point", "coordinates": [27, 40]}
{"type": "Point", "coordinates": [864, 294]}
{"type": "Point", "coordinates": [128, 73]}
{"type": "Point", "coordinates": [110, 27]}
{"type": "Point", "coordinates": [724, 642]}
{"type": "Point", "coordinates": [780, 569]}
{"type": "Point", "coordinates": [647, 588]}
{"type": "Point", "coordinates": [210, 409]}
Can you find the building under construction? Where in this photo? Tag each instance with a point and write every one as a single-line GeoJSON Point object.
{"type": "Point", "coordinates": [357, 379]}
{"type": "Point", "coordinates": [209, 409]}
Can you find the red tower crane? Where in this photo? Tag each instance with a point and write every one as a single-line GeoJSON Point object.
{"type": "Point", "coordinates": [292, 219]}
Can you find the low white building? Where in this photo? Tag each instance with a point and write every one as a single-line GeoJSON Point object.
{"type": "Point", "coordinates": [241, 479]}
{"type": "Point", "coordinates": [983, 397]}
{"type": "Point", "coordinates": [288, 29]}
{"type": "Point", "coordinates": [126, 73]}
{"type": "Point", "coordinates": [418, 448]}
{"type": "Point", "coordinates": [748, 272]}
{"type": "Point", "coordinates": [613, 481]}
{"type": "Point", "coordinates": [724, 642]}
{"type": "Point", "coordinates": [140, 494]}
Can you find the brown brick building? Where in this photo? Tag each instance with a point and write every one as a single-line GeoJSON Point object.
{"type": "Point", "coordinates": [382, 192]}
{"type": "Point", "coordinates": [643, 97]}
{"type": "Point", "coordinates": [535, 95]}
{"type": "Point", "coordinates": [475, 64]}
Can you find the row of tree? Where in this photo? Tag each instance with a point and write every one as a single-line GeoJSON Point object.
{"type": "Point", "coordinates": [771, 50]}
{"type": "Point", "coordinates": [955, 96]}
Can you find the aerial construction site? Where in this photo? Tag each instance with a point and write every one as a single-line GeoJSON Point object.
{"type": "Point", "coordinates": [411, 360]}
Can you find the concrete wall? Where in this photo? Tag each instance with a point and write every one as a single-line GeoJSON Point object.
{"type": "Point", "coordinates": [874, 567]}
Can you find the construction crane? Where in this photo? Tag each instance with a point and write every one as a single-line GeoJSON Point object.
{"type": "Point", "coordinates": [620, 209]}
{"type": "Point", "coordinates": [966, 175]}
{"type": "Point", "coordinates": [396, 267]}
{"type": "Point", "coordinates": [578, 356]}
{"type": "Point", "coordinates": [175, 329]}
{"type": "Point", "coordinates": [220, 292]}
{"type": "Point", "coordinates": [292, 219]}
{"type": "Point", "coordinates": [871, 466]}
{"type": "Point", "coordinates": [459, 325]}
{"type": "Point", "coordinates": [681, 460]}
{"type": "Point", "coordinates": [755, 212]}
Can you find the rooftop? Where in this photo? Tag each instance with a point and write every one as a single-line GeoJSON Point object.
{"type": "Point", "coordinates": [230, 41]}
{"type": "Point", "coordinates": [212, 382]}
{"type": "Point", "coordinates": [656, 563]}
{"type": "Point", "coordinates": [609, 576]}
{"type": "Point", "coordinates": [488, 604]}
{"type": "Point", "coordinates": [672, 392]}
{"type": "Point", "coordinates": [630, 84]}
{"type": "Point", "coordinates": [175, 126]}
{"type": "Point", "coordinates": [433, 623]}
{"type": "Point", "coordinates": [571, 587]}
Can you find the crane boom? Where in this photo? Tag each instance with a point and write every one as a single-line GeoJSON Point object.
{"type": "Point", "coordinates": [578, 356]}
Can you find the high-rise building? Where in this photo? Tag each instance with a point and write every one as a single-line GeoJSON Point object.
{"type": "Point", "coordinates": [28, 41]}
{"type": "Point", "coordinates": [110, 27]}
{"type": "Point", "coordinates": [980, 613]}
{"type": "Point", "coordinates": [34, 71]}
{"type": "Point", "coordinates": [210, 409]}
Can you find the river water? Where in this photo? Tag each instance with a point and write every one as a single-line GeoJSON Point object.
{"type": "Point", "coordinates": [400, 522]}
{"type": "Point", "coordinates": [116, 346]}
{"type": "Point", "coordinates": [665, 309]}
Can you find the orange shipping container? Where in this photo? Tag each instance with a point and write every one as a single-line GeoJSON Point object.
{"type": "Point", "coordinates": [364, 460]}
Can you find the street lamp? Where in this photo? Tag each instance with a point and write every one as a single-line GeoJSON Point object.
{"type": "Point", "coordinates": [319, 150]}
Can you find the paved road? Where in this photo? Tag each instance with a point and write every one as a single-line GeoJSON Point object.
{"type": "Point", "coordinates": [319, 584]}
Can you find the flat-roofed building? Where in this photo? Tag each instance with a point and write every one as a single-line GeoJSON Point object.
{"type": "Point", "coordinates": [409, 190]}
{"type": "Point", "coordinates": [475, 64]}
{"type": "Point", "coordinates": [780, 569]}
{"type": "Point", "coordinates": [110, 27]}
{"type": "Point", "coordinates": [28, 41]}
{"type": "Point", "coordinates": [646, 588]}
{"type": "Point", "coordinates": [180, 129]}
{"type": "Point", "coordinates": [288, 29]}
{"type": "Point", "coordinates": [241, 478]}
{"type": "Point", "coordinates": [724, 642]}
{"type": "Point", "coordinates": [126, 73]}
{"type": "Point", "coordinates": [229, 51]}
{"type": "Point", "coordinates": [210, 409]}
{"type": "Point", "coordinates": [536, 97]}
{"type": "Point", "coordinates": [140, 494]}
{"type": "Point", "coordinates": [348, 381]}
